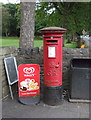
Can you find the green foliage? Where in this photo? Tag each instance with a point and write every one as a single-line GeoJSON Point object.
{"type": "Point", "coordinates": [89, 18]}
{"type": "Point", "coordinates": [72, 15]}
{"type": "Point", "coordinates": [71, 45]}
{"type": "Point", "coordinates": [75, 16]}
{"type": "Point", "coordinates": [5, 21]}
{"type": "Point", "coordinates": [11, 19]}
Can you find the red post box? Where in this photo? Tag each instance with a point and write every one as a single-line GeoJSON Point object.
{"type": "Point", "coordinates": [53, 64]}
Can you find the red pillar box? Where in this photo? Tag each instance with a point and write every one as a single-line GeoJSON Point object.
{"type": "Point", "coordinates": [53, 41]}
{"type": "Point", "coordinates": [29, 83]}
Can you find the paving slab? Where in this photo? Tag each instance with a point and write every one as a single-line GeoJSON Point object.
{"type": "Point", "coordinates": [14, 109]}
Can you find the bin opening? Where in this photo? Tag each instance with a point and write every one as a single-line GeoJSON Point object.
{"type": "Point", "coordinates": [81, 63]}
{"type": "Point", "coordinates": [52, 41]}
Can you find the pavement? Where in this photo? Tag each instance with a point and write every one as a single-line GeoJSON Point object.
{"type": "Point", "coordinates": [14, 109]}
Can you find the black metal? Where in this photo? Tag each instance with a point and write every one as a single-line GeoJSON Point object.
{"type": "Point", "coordinates": [80, 78]}
{"type": "Point", "coordinates": [29, 100]}
{"type": "Point", "coordinates": [53, 95]}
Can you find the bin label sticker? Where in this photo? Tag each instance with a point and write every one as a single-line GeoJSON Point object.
{"type": "Point", "coordinates": [29, 80]}
{"type": "Point", "coordinates": [51, 52]}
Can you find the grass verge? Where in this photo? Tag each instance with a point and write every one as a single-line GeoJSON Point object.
{"type": "Point", "coordinates": [14, 41]}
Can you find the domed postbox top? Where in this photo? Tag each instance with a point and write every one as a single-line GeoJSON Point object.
{"type": "Point", "coordinates": [53, 30]}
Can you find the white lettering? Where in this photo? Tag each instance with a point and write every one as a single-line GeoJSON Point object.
{"type": "Point", "coordinates": [29, 75]}
{"type": "Point", "coordinates": [29, 93]}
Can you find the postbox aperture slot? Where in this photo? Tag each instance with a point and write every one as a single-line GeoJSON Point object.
{"type": "Point", "coordinates": [52, 41]}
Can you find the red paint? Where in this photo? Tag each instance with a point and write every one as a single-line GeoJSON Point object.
{"type": "Point", "coordinates": [28, 80]}
{"type": "Point", "coordinates": [53, 65]}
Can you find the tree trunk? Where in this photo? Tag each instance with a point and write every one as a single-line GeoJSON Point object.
{"type": "Point", "coordinates": [6, 33]}
{"type": "Point", "coordinates": [27, 24]}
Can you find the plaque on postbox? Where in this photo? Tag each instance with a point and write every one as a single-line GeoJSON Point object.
{"type": "Point", "coordinates": [29, 83]}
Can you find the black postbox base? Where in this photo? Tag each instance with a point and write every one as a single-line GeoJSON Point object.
{"type": "Point", "coordinates": [53, 95]}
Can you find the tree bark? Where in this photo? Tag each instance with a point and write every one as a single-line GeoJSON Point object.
{"type": "Point", "coordinates": [27, 24]}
